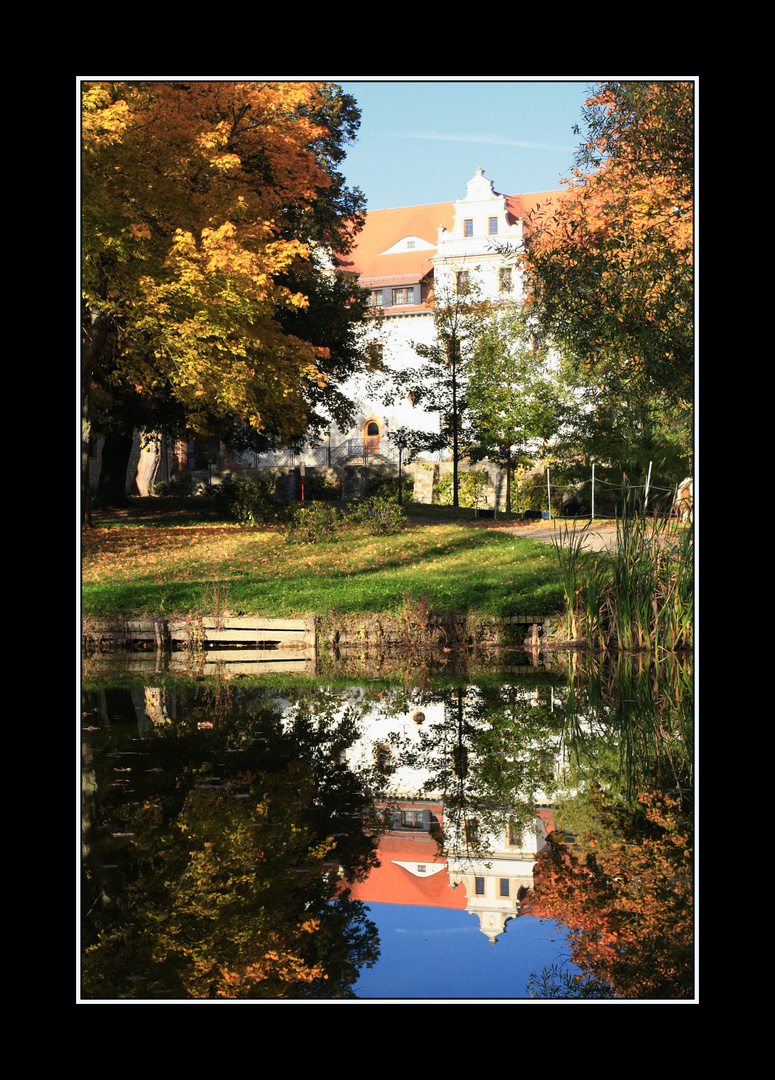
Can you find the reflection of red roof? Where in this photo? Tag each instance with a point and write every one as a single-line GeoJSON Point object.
{"type": "Point", "coordinates": [394, 884]}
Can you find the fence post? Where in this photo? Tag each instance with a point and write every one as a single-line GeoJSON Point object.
{"type": "Point", "coordinates": [549, 494]}
{"type": "Point", "coordinates": [593, 491]}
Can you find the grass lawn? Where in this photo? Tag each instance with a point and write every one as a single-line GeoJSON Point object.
{"type": "Point", "coordinates": [158, 558]}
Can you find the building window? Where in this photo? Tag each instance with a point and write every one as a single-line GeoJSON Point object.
{"type": "Point", "coordinates": [468, 227]}
{"type": "Point", "coordinates": [504, 279]}
{"type": "Point", "coordinates": [479, 886]}
{"type": "Point", "coordinates": [421, 868]}
{"type": "Point", "coordinates": [461, 280]}
{"type": "Point", "coordinates": [514, 835]}
{"type": "Point", "coordinates": [377, 298]}
{"type": "Point", "coordinates": [402, 297]}
{"type": "Point", "coordinates": [471, 831]}
{"type": "Point", "coordinates": [382, 759]}
{"type": "Point", "coordinates": [410, 243]}
{"type": "Point", "coordinates": [411, 819]}
{"type": "Point", "coordinates": [492, 226]}
{"type": "Point", "coordinates": [504, 886]}
{"type": "Point", "coordinates": [375, 351]}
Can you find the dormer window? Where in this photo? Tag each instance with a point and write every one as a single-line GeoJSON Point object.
{"type": "Point", "coordinates": [402, 297]}
{"type": "Point", "coordinates": [410, 243]}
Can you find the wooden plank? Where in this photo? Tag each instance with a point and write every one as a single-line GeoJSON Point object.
{"type": "Point", "coordinates": [253, 623]}
{"type": "Point", "coordinates": [250, 630]}
{"type": "Point", "coordinates": [257, 656]}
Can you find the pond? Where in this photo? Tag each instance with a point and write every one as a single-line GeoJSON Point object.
{"type": "Point", "coordinates": [393, 829]}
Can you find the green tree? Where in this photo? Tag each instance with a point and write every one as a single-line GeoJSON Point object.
{"type": "Point", "coordinates": [203, 204]}
{"type": "Point", "coordinates": [440, 385]}
{"type": "Point", "coordinates": [516, 402]}
{"type": "Point", "coordinates": [610, 280]}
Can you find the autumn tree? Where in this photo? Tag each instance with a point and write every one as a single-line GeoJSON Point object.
{"type": "Point", "coordinates": [203, 207]}
{"type": "Point", "coordinates": [609, 269]}
{"type": "Point", "coordinates": [624, 890]}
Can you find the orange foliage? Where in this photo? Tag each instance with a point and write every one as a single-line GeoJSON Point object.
{"type": "Point", "coordinates": [626, 896]}
{"type": "Point", "coordinates": [611, 263]}
{"type": "Point", "coordinates": [184, 188]}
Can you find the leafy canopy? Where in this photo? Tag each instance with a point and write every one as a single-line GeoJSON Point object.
{"type": "Point", "coordinates": [610, 270]}
{"type": "Point", "coordinates": [201, 209]}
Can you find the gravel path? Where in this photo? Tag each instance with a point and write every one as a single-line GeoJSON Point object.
{"type": "Point", "coordinates": [596, 538]}
{"type": "Point", "coordinates": [601, 538]}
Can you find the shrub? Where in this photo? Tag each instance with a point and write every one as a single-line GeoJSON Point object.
{"type": "Point", "coordinates": [246, 500]}
{"type": "Point", "coordinates": [181, 483]}
{"type": "Point", "coordinates": [324, 490]}
{"type": "Point", "coordinates": [380, 516]}
{"type": "Point", "coordinates": [386, 487]}
{"type": "Point", "coordinates": [312, 524]}
{"type": "Point", "coordinates": [470, 488]}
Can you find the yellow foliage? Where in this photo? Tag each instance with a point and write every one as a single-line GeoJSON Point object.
{"type": "Point", "coordinates": [180, 239]}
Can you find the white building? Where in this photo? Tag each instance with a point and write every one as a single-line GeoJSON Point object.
{"type": "Point", "coordinates": [402, 255]}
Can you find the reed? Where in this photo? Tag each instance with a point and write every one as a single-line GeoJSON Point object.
{"type": "Point", "coordinates": [638, 596]}
{"type": "Point", "coordinates": [568, 544]}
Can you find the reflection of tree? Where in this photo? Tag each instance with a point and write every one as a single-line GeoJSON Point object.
{"type": "Point", "coordinates": [629, 726]}
{"type": "Point", "coordinates": [491, 758]}
{"type": "Point", "coordinates": [625, 893]}
{"type": "Point", "coordinates": [213, 875]}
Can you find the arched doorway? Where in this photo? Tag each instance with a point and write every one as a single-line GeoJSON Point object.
{"type": "Point", "coordinates": [371, 437]}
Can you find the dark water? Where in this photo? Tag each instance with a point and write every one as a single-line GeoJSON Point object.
{"type": "Point", "coordinates": [386, 835]}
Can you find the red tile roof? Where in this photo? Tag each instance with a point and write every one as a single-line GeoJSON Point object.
{"type": "Point", "coordinates": [384, 228]}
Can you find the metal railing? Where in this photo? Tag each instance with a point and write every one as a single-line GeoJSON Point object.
{"type": "Point", "coordinates": [351, 451]}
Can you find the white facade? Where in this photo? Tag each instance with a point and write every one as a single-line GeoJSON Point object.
{"type": "Point", "coordinates": [476, 237]}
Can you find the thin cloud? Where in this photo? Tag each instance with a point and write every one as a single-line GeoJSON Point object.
{"type": "Point", "coordinates": [492, 140]}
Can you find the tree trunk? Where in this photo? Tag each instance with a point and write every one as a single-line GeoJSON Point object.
{"type": "Point", "coordinates": [115, 462]}
{"type": "Point", "coordinates": [85, 446]}
{"type": "Point", "coordinates": [148, 467]}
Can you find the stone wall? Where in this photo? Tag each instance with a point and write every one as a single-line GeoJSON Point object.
{"type": "Point", "coordinates": [350, 478]}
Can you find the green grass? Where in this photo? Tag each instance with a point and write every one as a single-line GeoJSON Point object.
{"type": "Point", "coordinates": [158, 557]}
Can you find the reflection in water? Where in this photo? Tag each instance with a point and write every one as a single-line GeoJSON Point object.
{"type": "Point", "coordinates": [234, 833]}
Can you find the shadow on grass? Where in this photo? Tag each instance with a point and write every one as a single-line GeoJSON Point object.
{"type": "Point", "coordinates": [451, 569]}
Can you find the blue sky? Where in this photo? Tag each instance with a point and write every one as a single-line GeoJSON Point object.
{"type": "Point", "coordinates": [421, 141]}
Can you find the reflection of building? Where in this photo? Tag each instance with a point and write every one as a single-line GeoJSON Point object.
{"type": "Point", "coordinates": [496, 883]}
{"type": "Point", "coordinates": [412, 872]}
{"type": "Point", "coordinates": [486, 870]}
